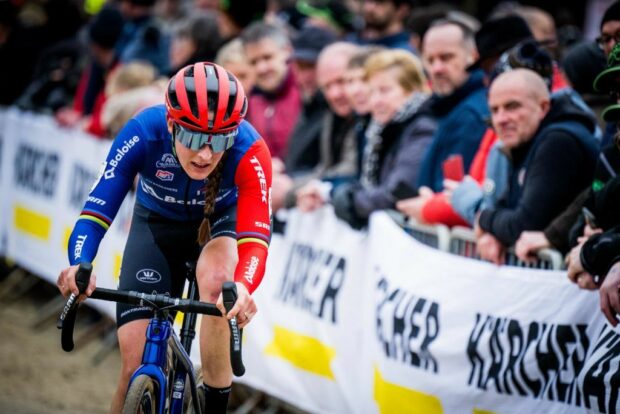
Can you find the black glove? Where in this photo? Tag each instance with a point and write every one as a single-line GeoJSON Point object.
{"type": "Point", "coordinates": [344, 207]}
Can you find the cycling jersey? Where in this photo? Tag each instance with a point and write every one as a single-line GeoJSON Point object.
{"type": "Point", "coordinates": [144, 148]}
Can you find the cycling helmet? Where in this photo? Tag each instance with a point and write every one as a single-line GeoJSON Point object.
{"type": "Point", "coordinates": [220, 109]}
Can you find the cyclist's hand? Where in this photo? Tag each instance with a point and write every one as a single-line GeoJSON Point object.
{"type": "Point", "coordinates": [66, 282]}
{"type": "Point", "coordinates": [244, 309]}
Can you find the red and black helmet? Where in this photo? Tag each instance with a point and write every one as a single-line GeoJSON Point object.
{"type": "Point", "coordinates": [220, 109]}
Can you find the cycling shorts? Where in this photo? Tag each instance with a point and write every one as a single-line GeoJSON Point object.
{"type": "Point", "coordinates": [156, 252]}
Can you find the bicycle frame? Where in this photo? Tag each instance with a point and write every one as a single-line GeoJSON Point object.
{"type": "Point", "coordinates": [159, 335]}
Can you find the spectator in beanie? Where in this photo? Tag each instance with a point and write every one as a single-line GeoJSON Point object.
{"type": "Point", "coordinates": [143, 38]}
{"type": "Point", "coordinates": [235, 15]}
{"type": "Point", "coordinates": [303, 150]}
{"type": "Point", "coordinates": [104, 30]}
{"type": "Point", "coordinates": [194, 39]}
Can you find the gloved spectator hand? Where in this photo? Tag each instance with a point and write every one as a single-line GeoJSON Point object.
{"type": "Point", "coordinates": [342, 199]}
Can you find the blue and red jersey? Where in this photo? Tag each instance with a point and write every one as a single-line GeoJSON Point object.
{"type": "Point", "coordinates": [143, 148]}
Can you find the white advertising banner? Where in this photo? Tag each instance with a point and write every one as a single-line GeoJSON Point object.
{"type": "Point", "coordinates": [47, 173]}
{"type": "Point", "coordinates": [307, 337]}
{"type": "Point", "coordinates": [453, 335]}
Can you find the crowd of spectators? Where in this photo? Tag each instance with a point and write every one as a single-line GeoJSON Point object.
{"type": "Point", "coordinates": [503, 121]}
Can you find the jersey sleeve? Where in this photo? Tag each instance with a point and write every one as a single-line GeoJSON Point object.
{"type": "Point", "coordinates": [253, 180]}
{"type": "Point", "coordinates": [124, 160]}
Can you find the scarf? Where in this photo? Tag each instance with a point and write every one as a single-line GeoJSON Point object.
{"type": "Point", "coordinates": [369, 176]}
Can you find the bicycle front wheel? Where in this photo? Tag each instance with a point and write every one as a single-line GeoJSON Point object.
{"type": "Point", "coordinates": [141, 397]}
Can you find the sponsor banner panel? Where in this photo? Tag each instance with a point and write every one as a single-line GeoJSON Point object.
{"type": "Point", "coordinates": [445, 334]}
{"type": "Point", "coordinates": [303, 345]}
{"type": "Point", "coordinates": [47, 175]}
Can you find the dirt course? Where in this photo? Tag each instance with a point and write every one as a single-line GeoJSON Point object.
{"type": "Point", "coordinates": [37, 376]}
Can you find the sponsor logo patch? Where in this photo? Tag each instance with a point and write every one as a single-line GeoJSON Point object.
{"type": "Point", "coordinates": [260, 174]}
{"type": "Point", "coordinates": [167, 161]}
{"type": "Point", "coordinates": [148, 276]}
{"type": "Point", "coordinates": [118, 156]}
{"type": "Point", "coordinates": [164, 175]}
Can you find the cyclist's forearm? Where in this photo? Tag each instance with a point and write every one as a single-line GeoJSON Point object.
{"type": "Point", "coordinates": [84, 241]}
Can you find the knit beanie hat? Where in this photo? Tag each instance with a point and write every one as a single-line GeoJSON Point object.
{"type": "Point", "coordinates": [612, 13]}
{"type": "Point", "coordinates": [105, 27]}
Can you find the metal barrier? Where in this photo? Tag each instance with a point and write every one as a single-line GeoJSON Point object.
{"type": "Point", "coordinates": [434, 236]}
{"type": "Point", "coordinates": [462, 241]}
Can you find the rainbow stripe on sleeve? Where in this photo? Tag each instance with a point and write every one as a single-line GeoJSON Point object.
{"type": "Point", "coordinates": [101, 219]}
{"type": "Point", "coordinates": [252, 237]}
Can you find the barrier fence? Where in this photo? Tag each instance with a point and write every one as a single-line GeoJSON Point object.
{"type": "Point", "coordinates": [351, 322]}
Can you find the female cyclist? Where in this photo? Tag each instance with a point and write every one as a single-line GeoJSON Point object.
{"type": "Point", "coordinates": [200, 166]}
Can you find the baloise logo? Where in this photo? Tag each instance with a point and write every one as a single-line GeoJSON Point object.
{"type": "Point", "coordinates": [148, 276]}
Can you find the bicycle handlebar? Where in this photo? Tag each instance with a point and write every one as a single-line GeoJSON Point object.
{"type": "Point", "coordinates": [155, 300]}
{"type": "Point", "coordinates": [66, 321]}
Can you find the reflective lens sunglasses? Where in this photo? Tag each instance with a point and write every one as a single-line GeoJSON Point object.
{"type": "Point", "coordinates": [196, 140]}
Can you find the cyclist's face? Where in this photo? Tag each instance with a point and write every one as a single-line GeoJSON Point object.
{"type": "Point", "coordinates": [197, 164]}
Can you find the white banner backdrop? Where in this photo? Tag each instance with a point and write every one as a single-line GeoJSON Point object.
{"type": "Point", "coordinates": [439, 333]}
{"type": "Point", "coordinates": [456, 335]}
{"type": "Point", "coordinates": [305, 345]}
{"type": "Point", "coordinates": [348, 322]}
{"type": "Point", "coordinates": [47, 173]}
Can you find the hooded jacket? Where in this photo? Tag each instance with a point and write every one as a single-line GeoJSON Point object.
{"type": "Point", "coordinates": [546, 173]}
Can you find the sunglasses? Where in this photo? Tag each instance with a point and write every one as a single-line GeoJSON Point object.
{"type": "Point", "coordinates": [605, 39]}
{"type": "Point", "coordinates": [196, 140]}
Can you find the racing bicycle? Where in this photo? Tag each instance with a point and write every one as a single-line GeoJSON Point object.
{"type": "Point", "coordinates": [166, 381]}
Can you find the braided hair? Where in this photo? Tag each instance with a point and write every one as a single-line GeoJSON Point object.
{"type": "Point", "coordinates": [211, 189]}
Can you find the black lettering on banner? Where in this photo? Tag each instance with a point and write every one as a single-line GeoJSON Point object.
{"type": "Point", "coordinates": [312, 280]}
{"type": "Point", "coordinates": [600, 378]}
{"type": "Point", "coordinates": [538, 360]}
{"type": "Point", "coordinates": [406, 326]}
{"type": "Point", "coordinates": [36, 170]}
{"type": "Point", "coordinates": [79, 186]}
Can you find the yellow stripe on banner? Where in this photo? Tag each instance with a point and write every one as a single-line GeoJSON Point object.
{"type": "Point", "coordinates": [392, 398]}
{"type": "Point", "coordinates": [302, 351]}
{"type": "Point", "coordinates": [479, 411]}
{"type": "Point", "coordinates": [32, 223]}
{"type": "Point", "coordinates": [118, 259]}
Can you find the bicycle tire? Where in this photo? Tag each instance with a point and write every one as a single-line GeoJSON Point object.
{"type": "Point", "coordinates": [141, 397]}
{"type": "Point", "coordinates": [188, 407]}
